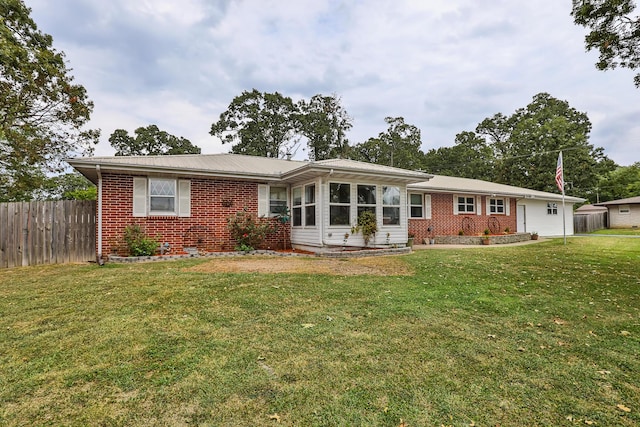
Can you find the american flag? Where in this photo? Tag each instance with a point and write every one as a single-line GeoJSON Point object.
{"type": "Point", "coordinates": [560, 174]}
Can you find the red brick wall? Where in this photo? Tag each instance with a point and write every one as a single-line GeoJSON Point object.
{"type": "Point", "coordinates": [212, 202]}
{"type": "Point", "coordinates": [445, 223]}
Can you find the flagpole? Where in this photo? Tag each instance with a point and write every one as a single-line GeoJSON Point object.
{"type": "Point", "coordinates": [560, 183]}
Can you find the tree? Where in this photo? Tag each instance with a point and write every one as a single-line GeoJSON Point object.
{"type": "Point", "coordinates": [526, 147]}
{"type": "Point", "coordinates": [42, 111]}
{"type": "Point", "coordinates": [150, 141]}
{"type": "Point", "coordinates": [259, 124]}
{"type": "Point", "coordinates": [399, 146]}
{"type": "Point", "coordinates": [69, 186]}
{"type": "Point", "coordinates": [614, 32]}
{"type": "Point", "coordinates": [324, 122]}
{"type": "Point", "coordinates": [621, 183]}
{"type": "Point", "coordinates": [470, 157]}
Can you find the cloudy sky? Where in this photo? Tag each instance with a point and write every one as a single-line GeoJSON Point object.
{"type": "Point", "coordinates": [443, 65]}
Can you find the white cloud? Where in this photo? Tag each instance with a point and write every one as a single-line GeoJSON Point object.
{"type": "Point", "coordinates": [443, 65]}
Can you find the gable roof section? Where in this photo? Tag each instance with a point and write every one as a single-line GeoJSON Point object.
{"type": "Point", "coordinates": [627, 201]}
{"type": "Point", "coordinates": [450, 184]}
{"type": "Point", "coordinates": [239, 167]}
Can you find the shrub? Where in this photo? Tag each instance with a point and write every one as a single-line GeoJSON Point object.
{"type": "Point", "coordinates": [367, 225]}
{"type": "Point", "coordinates": [137, 241]}
{"type": "Point", "coordinates": [247, 231]}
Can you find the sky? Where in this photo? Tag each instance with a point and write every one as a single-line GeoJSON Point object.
{"type": "Point", "coordinates": [443, 65]}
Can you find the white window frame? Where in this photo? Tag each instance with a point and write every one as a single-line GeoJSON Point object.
{"type": "Point", "coordinates": [142, 197]}
{"type": "Point", "coordinates": [624, 209]}
{"type": "Point", "coordinates": [275, 210]}
{"type": "Point", "coordinates": [413, 205]}
{"type": "Point", "coordinates": [296, 207]}
{"type": "Point", "coordinates": [456, 204]}
{"type": "Point", "coordinates": [366, 206]}
{"type": "Point", "coordinates": [309, 205]}
{"type": "Point", "coordinates": [494, 208]}
{"type": "Point", "coordinates": [343, 204]}
{"type": "Point", "coordinates": [552, 208]}
{"type": "Point", "coordinates": [393, 206]}
{"type": "Point", "coordinates": [425, 205]}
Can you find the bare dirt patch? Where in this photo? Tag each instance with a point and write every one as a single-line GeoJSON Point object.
{"type": "Point", "coordinates": [375, 266]}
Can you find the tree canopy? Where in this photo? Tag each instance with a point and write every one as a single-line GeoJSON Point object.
{"type": "Point", "coordinates": [621, 183]}
{"type": "Point", "coordinates": [150, 141]}
{"type": "Point", "coordinates": [324, 122]}
{"type": "Point", "coordinates": [614, 32]}
{"type": "Point", "coordinates": [259, 124]}
{"type": "Point", "coordinates": [398, 146]}
{"type": "Point", "coordinates": [42, 111]}
{"type": "Point", "coordinates": [522, 149]}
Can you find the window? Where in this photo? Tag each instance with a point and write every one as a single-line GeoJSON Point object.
{"type": "Point", "coordinates": [296, 211]}
{"type": "Point", "coordinates": [161, 196]}
{"type": "Point", "coordinates": [552, 208]}
{"type": "Point", "coordinates": [277, 200]}
{"type": "Point", "coordinates": [624, 209]}
{"type": "Point", "coordinates": [366, 198]}
{"type": "Point", "coordinates": [466, 204]}
{"type": "Point", "coordinates": [339, 204]}
{"type": "Point", "coordinates": [390, 206]}
{"type": "Point", "coordinates": [496, 206]}
{"type": "Point", "coordinates": [310, 205]}
{"type": "Point", "coordinates": [416, 209]}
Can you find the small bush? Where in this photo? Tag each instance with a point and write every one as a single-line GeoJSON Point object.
{"type": "Point", "coordinates": [248, 232]}
{"type": "Point", "coordinates": [137, 241]}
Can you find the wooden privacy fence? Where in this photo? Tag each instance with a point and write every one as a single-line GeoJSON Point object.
{"type": "Point", "coordinates": [53, 232]}
{"type": "Point", "coordinates": [586, 223]}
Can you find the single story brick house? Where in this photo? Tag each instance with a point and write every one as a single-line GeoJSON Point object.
{"type": "Point", "coordinates": [446, 205]}
{"type": "Point", "coordinates": [187, 199]}
{"type": "Point", "coordinates": [623, 213]}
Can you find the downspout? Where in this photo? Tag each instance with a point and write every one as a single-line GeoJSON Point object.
{"type": "Point", "coordinates": [99, 259]}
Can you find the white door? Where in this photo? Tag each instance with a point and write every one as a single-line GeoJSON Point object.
{"type": "Point", "coordinates": [522, 219]}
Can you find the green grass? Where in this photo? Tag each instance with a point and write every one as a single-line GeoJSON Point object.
{"type": "Point", "coordinates": [619, 231]}
{"type": "Point", "coordinates": [542, 334]}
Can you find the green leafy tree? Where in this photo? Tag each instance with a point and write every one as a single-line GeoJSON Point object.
{"type": "Point", "coordinates": [42, 111]}
{"type": "Point", "coordinates": [614, 32]}
{"type": "Point", "coordinates": [399, 146]}
{"type": "Point", "coordinates": [150, 141]}
{"type": "Point", "coordinates": [69, 186]}
{"type": "Point", "coordinates": [537, 133]}
{"type": "Point", "coordinates": [324, 122]}
{"type": "Point", "coordinates": [470, 157]}
{"type": "Point", "coordinates": [621, 183]}
{"type": "Point", "coordinates": [259, 124]}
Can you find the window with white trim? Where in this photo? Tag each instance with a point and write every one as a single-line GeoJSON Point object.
{"type": "Point", "coordinates": [466, 204]}
{"type": "Point", "coordinates": [390, 205]}
{"type": "Point", "coordinates": [339, 203]}
{"type": "Point", "coordinates": [296, 210]}
{"type": "Point", "coordinates": [497, 206]}
{"type": "Point", "coordinates": [161, 197]}
{"type": "Point", "coordinates": [310, 205]}
{"type": "Point", "coordinates": [366, 198]}
{"type": "Point", "coordinates": [277, 200]}
{"type": "Point", "coordinates": [552, 208]}
{"type": "Point", "coordinates": [416, 208]}
{"type": "Point", "coordinates": [624, 209]}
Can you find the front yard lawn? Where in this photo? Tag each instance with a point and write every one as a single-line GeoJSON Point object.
{"type": "Point", "coordinates": [541, 334]}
